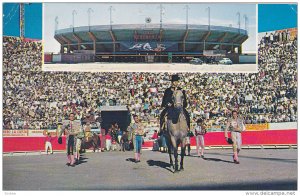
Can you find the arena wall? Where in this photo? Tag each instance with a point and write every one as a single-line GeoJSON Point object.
{"type": "Point", "coordinates": [285, 125]}
{"type": "Point", "coordinates": [24, 142]}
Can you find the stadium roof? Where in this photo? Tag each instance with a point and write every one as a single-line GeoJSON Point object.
{"type": "Point", "coordinates": [171, 32]}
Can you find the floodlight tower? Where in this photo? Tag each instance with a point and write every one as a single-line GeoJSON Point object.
{"type": "Point", "coordinates": [246, 22]}
{"type": "Point", "coordinates": [22, 20]}
{"type": "Point", "coordinates": [208, 9]}
{"type": "Point", "coordinates": [73, 20]}
{"type": "Point", "coordinates": [187, 15]}
{"type": "Point", "coordinates": [239, 20]}
{"type": "Point", "coordinates": [111, 8]}
{"type": "Point", "coordinates": [56, 23]}
{"type": "Point", "coordinates": [161, 13]}
{"type": "Point", "coordinates": [89, 16]}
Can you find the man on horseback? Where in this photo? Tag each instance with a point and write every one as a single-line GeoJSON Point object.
{"type": "Point", "coordinates": [167, 102]}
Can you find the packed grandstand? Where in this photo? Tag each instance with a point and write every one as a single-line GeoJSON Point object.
{"type": "Point", "coordinates": [33, 99]}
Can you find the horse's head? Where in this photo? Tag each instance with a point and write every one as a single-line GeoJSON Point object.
{"type": "Point", "coordinates": [178, 98]}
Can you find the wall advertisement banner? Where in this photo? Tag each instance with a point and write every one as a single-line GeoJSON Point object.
{"type": "Point", "coordinates": [148, 46]}
{"type": "Point", "coordinates": [15, 133]}
{"type": "Point", "coordinates": [257, 127]}
{"type": "Point", "coordinates": [28, 133]}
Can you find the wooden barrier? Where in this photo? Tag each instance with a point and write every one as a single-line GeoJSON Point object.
{"type": "Point", "coordinates": [249, 138]}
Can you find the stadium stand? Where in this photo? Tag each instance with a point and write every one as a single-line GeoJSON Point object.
{"type": "Point", "coordinates": [33, 99]}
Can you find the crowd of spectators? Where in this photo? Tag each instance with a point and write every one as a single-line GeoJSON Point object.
{"type": "Point", "coordinates": [19, 55]}
{"type": "Point", "coordinates": [39, 100]}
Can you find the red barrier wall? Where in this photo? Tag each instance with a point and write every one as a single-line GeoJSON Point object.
{"type": "Point", "coordinates": [47, 58]}
{"type": "Point", "coordinates": [268, 137]}
{"type": "Point", "coordinates": [15, 144]}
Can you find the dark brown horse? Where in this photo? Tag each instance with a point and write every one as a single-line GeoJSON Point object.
{"type": "Point", "coordinates": [177, 129]}
{"type": "Point", "coordinates": [91, 141]}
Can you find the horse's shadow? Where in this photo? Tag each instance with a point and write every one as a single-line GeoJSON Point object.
{"type": "Point", "coordinates": [209, 159]}
{"type": "Point", "coordinates": [161, 164]}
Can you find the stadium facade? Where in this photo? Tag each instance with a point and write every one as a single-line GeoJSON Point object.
{"type": "Point", "coordinates": [148, 42]}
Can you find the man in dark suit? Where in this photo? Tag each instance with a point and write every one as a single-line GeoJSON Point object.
{"type": "Point", "coordinates": [167, 101]}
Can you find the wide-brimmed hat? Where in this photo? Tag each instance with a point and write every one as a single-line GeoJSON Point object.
{"type": "Point", "coordinates": [175, 78]}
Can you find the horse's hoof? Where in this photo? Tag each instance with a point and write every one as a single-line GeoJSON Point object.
{"type": "Point", "coordinates": [176, 171]}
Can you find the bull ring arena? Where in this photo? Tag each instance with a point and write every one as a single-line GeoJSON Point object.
{"type": "Point", "coordinates": [149, 43]}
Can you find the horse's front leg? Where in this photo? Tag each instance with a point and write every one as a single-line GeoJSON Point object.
{"type": "Point", "coordinates": [171, 143]}
{"type": "Point", "coordinates": [176, 158]}
{"type": "Point", "coordinates": [182, 153]}
{"type": "Point", "coordinates": [170, 155]}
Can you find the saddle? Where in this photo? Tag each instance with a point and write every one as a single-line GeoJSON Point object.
{"type": "Point", "coordinates": [173, 114]}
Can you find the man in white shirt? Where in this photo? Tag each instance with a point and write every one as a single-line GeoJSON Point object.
{"type": "Point", "coordinates": [235, 125]}
{"type": "Point", "coordinates": [200, 131]}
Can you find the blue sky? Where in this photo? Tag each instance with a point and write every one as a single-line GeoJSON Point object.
{"type": "Point", "coordinates": [33, 20]}
{"type": "Point", "coordinates": [276, 16]}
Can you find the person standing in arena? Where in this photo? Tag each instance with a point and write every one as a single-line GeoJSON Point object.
{"type": "Point", "coordinates": [78, 138]}
{"type": "Point", "coordinates": [48, 144]}
{"type": "Point", "coordinates": [137, 130]}
{"type": "Point", "coordinates": [200, 131]}
{"type": "Point", "coordinates": [167, 101]}
{"type": "Point", "coordinates": [235, 125]}
{"type": "Point", "coordinates": [103, 139]}
{"type": "Point", "coordinates": [71, 129]}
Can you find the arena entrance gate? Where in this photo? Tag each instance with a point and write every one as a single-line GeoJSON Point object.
{"type": "Point", "coordinates": [119, 114]}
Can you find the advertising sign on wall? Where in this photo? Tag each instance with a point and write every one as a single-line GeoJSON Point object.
{"type": "Point", "coordinates": [148, 46]}
{"type": "Point", "coordinates": [15, 133]}
{"type": "Point", "coordinates": [257, 127]}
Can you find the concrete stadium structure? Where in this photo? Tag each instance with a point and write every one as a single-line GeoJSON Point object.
{"type": "Point", "coordinates": [149, 42]}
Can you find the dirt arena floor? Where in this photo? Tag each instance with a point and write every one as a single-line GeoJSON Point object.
{"type": "Point", "coordinates": [259, 169]}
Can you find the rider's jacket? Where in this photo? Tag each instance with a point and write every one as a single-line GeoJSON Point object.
{"type": "Point", "coordinates": [167, 99]}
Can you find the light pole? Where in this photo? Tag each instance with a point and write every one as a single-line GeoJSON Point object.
{"type": "Point", "coordinates": [239, 20]}
{"type": "Point", "coordinates": [161, 13]}
{"type": "Point", "coordinates": [246, 21]}
{"type": "Point", "coordinates": [111, 8]}
{"type": "Point", "coordinates": [187, 15]}
{"type": "Point", "coordinates": [56, 23]}
{"type": "Point", "coordinates": [73, 13]}
{"type": "Point", "coordinates": [208, 9]}
{"type": "Point", "coordinates": [89, 17]}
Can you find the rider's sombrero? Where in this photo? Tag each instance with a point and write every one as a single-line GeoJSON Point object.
{"type": "Point", "coordinates": [175, 78]}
